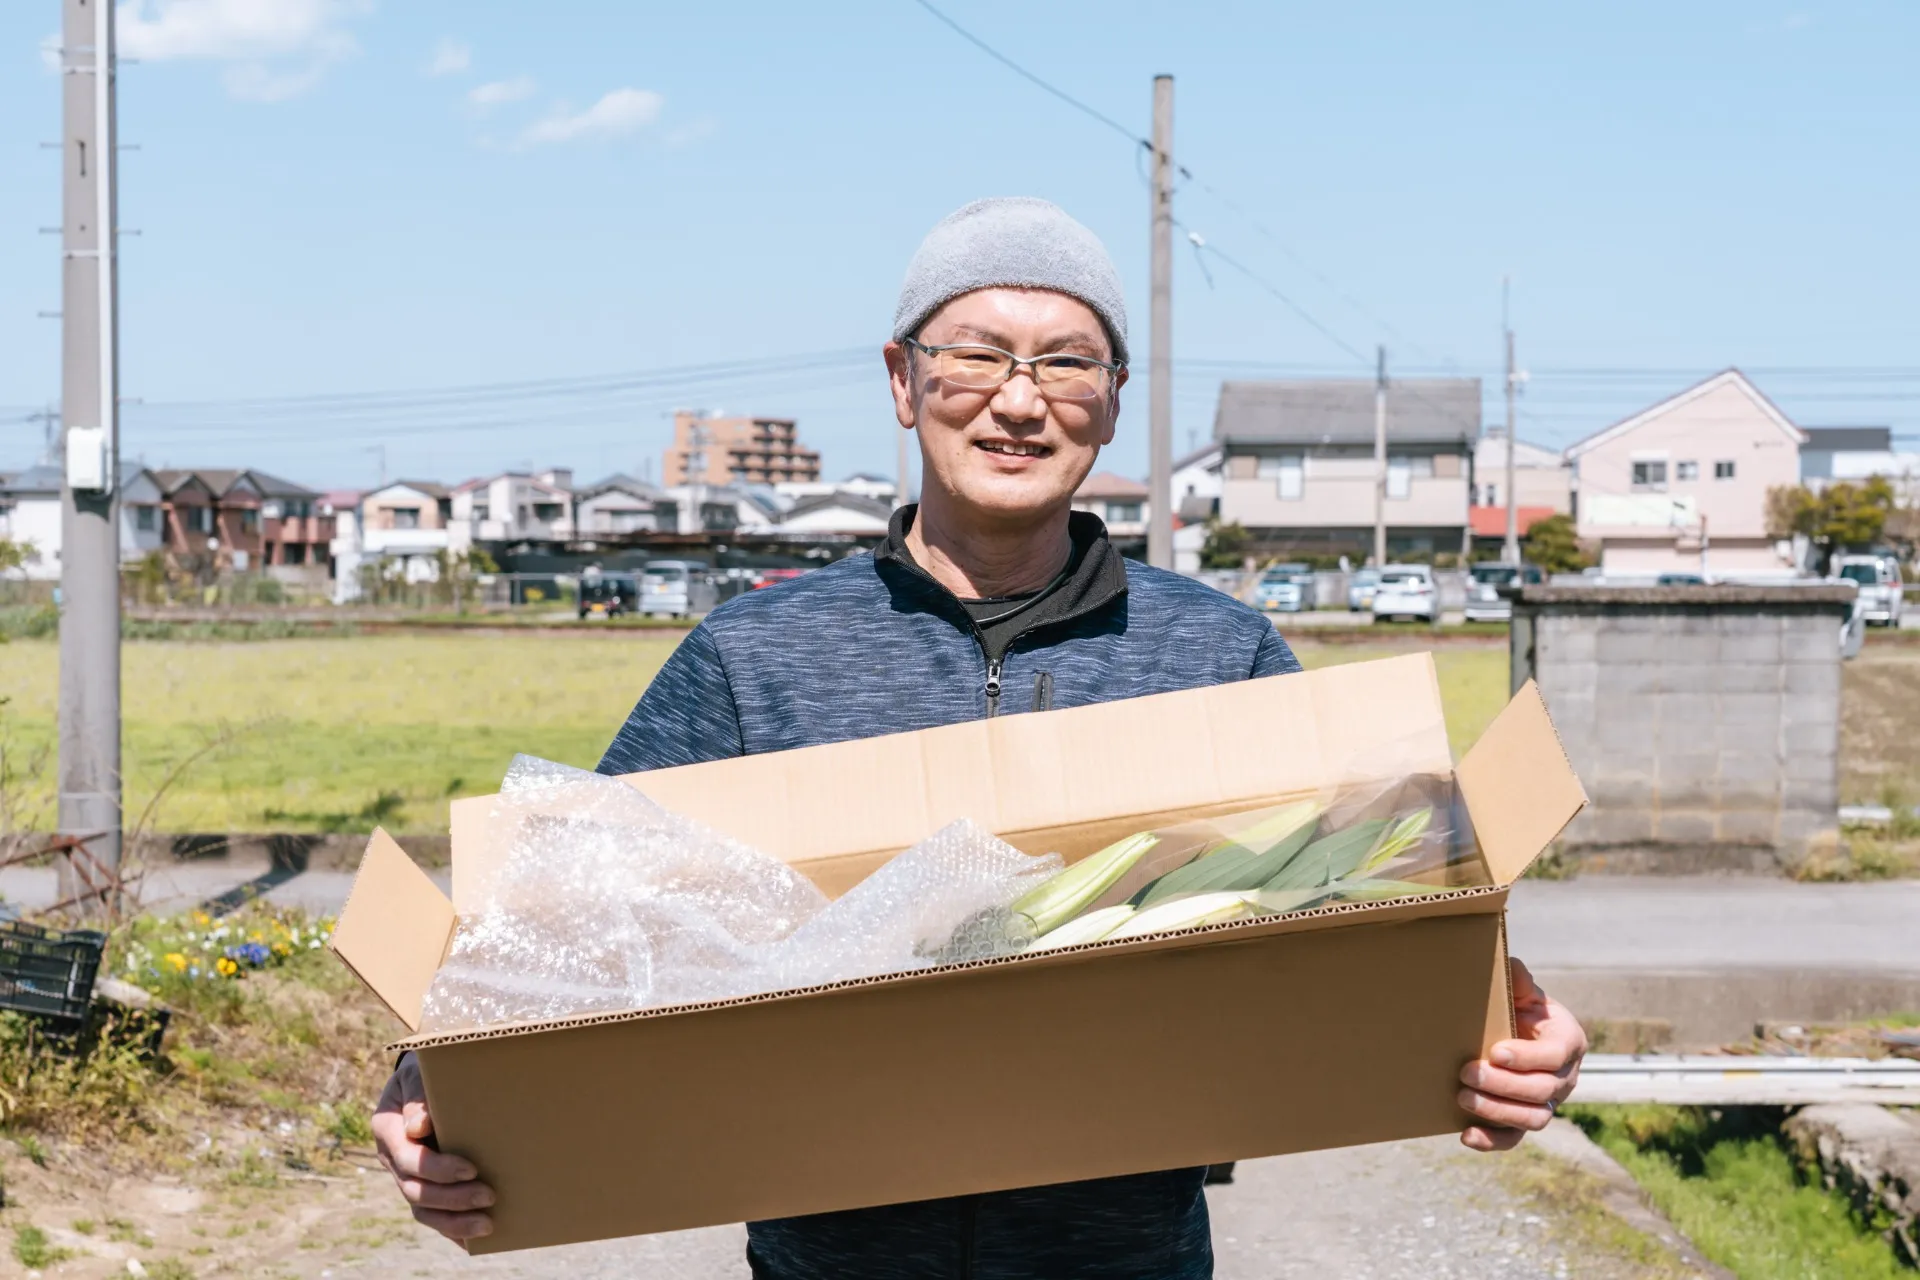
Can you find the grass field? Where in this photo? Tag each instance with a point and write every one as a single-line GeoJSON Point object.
{"type": "Point", "coordinates": [334, 734]}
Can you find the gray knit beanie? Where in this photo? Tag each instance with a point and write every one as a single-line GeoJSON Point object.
{"type": "Point", "coordinates": [1011, 241]}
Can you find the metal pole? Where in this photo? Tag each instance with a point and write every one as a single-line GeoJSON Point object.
{"type": "Point", "coordinates": [1380, 463]}
{"type": "Point", "coordinates": [89, 803]}
{"type": "Point", "coordinates": [1160, 362]}
{"type": "Point", "coordinates": [1512, 553]}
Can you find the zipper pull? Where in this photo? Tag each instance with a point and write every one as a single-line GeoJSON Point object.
{"type": "Point", "coordinates": [993, 685]}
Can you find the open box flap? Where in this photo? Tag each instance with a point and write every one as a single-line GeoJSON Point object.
{"type": "Point", "coordinates": [837, 811]}
{"type": "Point", "coordinates": [395, 929]}
{"type": "Point", "coordinates": [1519, 787]}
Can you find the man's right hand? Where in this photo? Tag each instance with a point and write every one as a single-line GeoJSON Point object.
{"type": "Point", "coordinates": [444, 1190]}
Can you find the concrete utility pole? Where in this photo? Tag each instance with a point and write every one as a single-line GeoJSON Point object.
{"type": "Point", "coordinates": [1160, 361]}
{"type": "Point", "coordinates": [1380, 463]}
{"type": "Point", "coordinates": [1512, 550]}
{"type": "Point", "coordinates": [89, 808]}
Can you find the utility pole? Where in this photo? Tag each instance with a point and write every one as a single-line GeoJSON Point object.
{"type": "Point", "coordinates": [1512, 550]}
{"type": "Point", "coordinates": [1380, 463]}
{"type": "Point", "coordinates": [1160, 360]}
{"type": "Point", "coordinates": [89, 808]}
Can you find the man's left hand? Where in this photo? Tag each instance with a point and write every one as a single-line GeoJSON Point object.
{"type": "Point", "coordinates": [1518, 1086]}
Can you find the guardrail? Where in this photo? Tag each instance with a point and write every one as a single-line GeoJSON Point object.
{"type": "Point", "coordinates": [1726, 1080]}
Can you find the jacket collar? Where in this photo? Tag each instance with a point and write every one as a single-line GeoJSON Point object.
{"type": "Point", "coordinates": [1098, 576]}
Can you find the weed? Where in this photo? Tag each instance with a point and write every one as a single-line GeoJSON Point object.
{"type": "Point", "coordinates": [169, 1269]}
{"type": "Point", "coordinates": [30, 1248]}
{"type": "Point", "coordinates": [30, 1148]}
{"type": "Point", "coordinates": [46, 1087]}
{"type": "Point", "coordinates": [124, 1232]}
{"type": "Point", "coordinates": [351, 1127]}
{"type": "Point", "coordinates": [252, 1171]}
{"type": "Point", "coordinates": [84, 1226]}
{"type": "Point", "coordinates": [1724, 1178]}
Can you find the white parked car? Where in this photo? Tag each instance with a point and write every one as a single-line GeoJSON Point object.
{"type": "Point", "coordinates": [1881, 590]}
{"type": "Point", "coordinates": [1405, 591]}
{"type": "Point", "coordinates": [1484, 580]}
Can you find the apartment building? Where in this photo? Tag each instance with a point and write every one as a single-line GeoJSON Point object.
{"type": "Point", "coordinates": [737, 451]}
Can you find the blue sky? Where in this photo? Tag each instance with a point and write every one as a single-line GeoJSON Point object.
{"type": "Point", "coordinates": [350, 197]}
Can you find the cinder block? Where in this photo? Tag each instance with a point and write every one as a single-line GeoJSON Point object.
{"type": "Point", "coordinates": [1749, 713]}
{"type": "Point", "coordinates": [1749, 826]}
{"type": "Point", "coordinates": [1799, 828]}
{"type": "Point", "coordinates": [1615, 826]}
{"type": "Point", "coordinates": [1749, 677]}
{"type": "Point", "coordinates": [1623, 622]}
{"type": "Point", "coordinates": [1812, 711]}
{"type": "Point", "coordinates": [1626, 735]}
{"type": "Point", "coordinates": [1699, 647]}
{"type": "Point", "coordinates": [1558, 645]}
{"type": "Point", "coordinates": [1814, 678]}
{"type": "Point", "coordinates": [1749, 769]}
{"type": "Point", "coordinates": [1739, 621]}
{"type": "Point", "coordinates": [1760, 644]}
{"type": "Point", "coordinates": [1562, 680]}
{"type": "Point", "coordinates": [1636, 647]}
{"type": "Point", "coordinates": [1622, 677]}
{"type": "Point", "coordinates": [1812, 763]}
{"type": "Point", "coordinates": [1802, 643]}
{"type": "Point", "coordinates": [1687, 716]}
{"type": "Point", "coordinates": [1685, 826]}
{"type": "Point", "coordinates": [1610, 790]}
{"type": "Point", "coordinates": [1815, 797]}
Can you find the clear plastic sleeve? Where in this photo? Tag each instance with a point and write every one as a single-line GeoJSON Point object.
{"type": "Point", "coordinates": [605, 901]}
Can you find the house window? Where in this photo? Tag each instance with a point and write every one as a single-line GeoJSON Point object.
{"type": "Point", "coordinates": [143, 518]}
{"type": "Point", "coordinates": [480, 511]}
{"type": "Point", "coordinates": [200, 520]}
{"type": "Point", "coordinates": [1650, 475]}
{"type": "Point", "coordinates": [1123, 513]}
{"type": "Point", "coordinates": [1287, 471]}
{"type": "Point", "coordinates": [249, 519]}
{"type": "Point", "coordinates": [1686, 470]}
{"type": "Point", "coordinates": [1723, 470]}
{"type": "Point", "coordinates": [546, 511]}
{"type": "Point", "coordinates": [293, 553]}
{"type": "Point", "coordinates": [1399, 478]}
{"type": "Point", "coordinates": [1492, 498]}
{"type": "Point", "coordinates": [406, 517]}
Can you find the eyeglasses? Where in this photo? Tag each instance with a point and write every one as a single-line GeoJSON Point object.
{"type": "Point", "coordinates": [981, 368]}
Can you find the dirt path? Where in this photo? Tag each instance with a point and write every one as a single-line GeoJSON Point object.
{"type": "Point", "coordinates": [1399, 1211]}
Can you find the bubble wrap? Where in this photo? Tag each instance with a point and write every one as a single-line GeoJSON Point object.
{"type": "Point", "coordinates": [605, 901]}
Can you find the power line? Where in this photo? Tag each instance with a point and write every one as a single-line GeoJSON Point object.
{"type": "Point", "coordinates": [1030, 77]}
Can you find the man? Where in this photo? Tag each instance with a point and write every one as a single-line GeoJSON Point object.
{"type": "Point", "coordinates": [990, 597]}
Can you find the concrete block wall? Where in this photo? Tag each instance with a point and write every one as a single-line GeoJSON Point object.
{"type": "Point", "coordinates": [1705, 722]}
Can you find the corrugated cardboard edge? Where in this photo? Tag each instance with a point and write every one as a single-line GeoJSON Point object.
{"type": "Point", "coordinates": [1519, 786]}
{"type": "Point", "coordinates": [1487, 899]}
{"type": "Point", "coordinates": [395, 928]}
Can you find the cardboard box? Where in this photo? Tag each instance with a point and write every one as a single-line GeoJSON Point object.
{"type": "Point", "coordinates": [1347, 1024]}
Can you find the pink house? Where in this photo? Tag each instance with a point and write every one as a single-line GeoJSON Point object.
{"type": "Point", "coordinates": [1682, 487]}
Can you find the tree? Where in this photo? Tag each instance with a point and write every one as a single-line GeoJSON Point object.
{"type": "Point", "coordinates": [1553, 545]}
{"type": "Point", "coordinates": [1225, 547]}
{"type": "Point", "coordinates": [1841, 516]}
{"type": "Point", "coordinates": [16, 555]}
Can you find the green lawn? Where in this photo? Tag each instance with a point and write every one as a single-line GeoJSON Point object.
{"type": "Point", "coordinates": [335, 733]}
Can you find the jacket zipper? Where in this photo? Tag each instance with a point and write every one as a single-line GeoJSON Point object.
{"type": "Point", "coordinates": [993, 687]}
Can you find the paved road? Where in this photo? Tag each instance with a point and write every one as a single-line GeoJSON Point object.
{"type": "Point", "coordinates": [1398, 1211]}
{"type": "Point", "coordinates": [1619, 923]}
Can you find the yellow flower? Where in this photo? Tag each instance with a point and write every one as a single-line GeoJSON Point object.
{"type": "Point", "coordinates": [178, 961]}
{"type": "Point", "coordinates": [282, 949]}
{"type": "Point", "coordinates": [225, 967]}
{"type": "Point", "coordinates": [202, 918]}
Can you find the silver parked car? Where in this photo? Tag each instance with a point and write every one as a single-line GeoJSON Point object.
{"type": "Point", "coordinates": [1285, 588]}
{"type": "Point", "coordinates": [1484, 602]}
{"type": "Point", "coordinates": [1406, 591]}
{"type": "Point", "coordinates": [1882, 593]}
{"type": "Point", "coordinates": [1360, 589]}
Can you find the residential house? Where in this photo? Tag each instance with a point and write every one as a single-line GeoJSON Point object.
{"type": "Point", "coordinates": [724, 508]}
{"type": "Point", "coordinates": [1542, 482]}
{"type": "Point", "coordinates": [405, 528]}
{"type": "Point", "coordinates": [840, 513]}
{"type": "Point", "coordinates": [1299, 472]}
{"type": "Point", "coordinates": [862, 483]}
{"type": "Point", "coordinates": [1196, 485]}
{"type": "Point", "coordinates": [617, 505]}
{"type": "Point", "coordinates": [514, 506]}
{"type": "Point", "coordinates": [1681, 487]}
{"type": "Point", "coordinates": [737, 450]}
{"type": "Point", "coordinates": [30, 514]}
{"type": "Point", "coordinates": [1120, 502]}
{"type": "Point", "coordinates": [1855, 454]}
{"type": "Point", "coordinates": [212, 519]}
{"type": "Point", "coordinates": [295, 535]}
{"type": "Point", "coordinates": [342, 507]}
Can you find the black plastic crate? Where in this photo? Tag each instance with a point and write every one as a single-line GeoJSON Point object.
{"type": "Point", "coordinates": [48, 974]}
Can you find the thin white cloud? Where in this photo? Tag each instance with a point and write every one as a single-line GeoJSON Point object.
{"type": "Point", "coordinates": [50, 52]}
{"type": "Point", "coordinates": [620, 112]}
{"type": "Point", "coordinates": [273, 49]}
{"type": "Point", "coordinates": [450, 57]}
{"type": "Point", "coordinates": [496, 92]}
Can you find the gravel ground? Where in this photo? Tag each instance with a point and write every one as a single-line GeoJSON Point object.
{"type": "Point", "coordinates": [1399, 1211]}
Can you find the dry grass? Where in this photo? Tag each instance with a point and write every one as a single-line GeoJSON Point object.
{"type": "Point", "coordinates": [1879, 714]}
